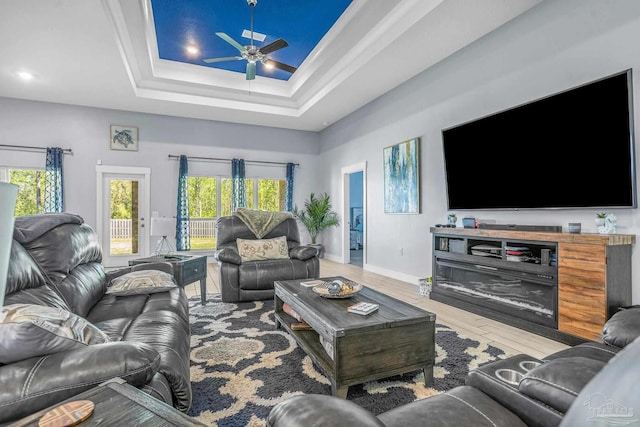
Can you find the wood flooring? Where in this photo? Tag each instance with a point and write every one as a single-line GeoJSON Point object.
{"type": "Point", "coordinates": [508, 338]}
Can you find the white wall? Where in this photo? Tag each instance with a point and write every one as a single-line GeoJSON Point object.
{"type": "Point", "coordinates": [555, 46]}
{"type": "Point", "coordinates": [86, 131]}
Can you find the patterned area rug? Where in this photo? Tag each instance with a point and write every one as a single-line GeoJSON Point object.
{"type": "Point", "coordinates": [241, 366]}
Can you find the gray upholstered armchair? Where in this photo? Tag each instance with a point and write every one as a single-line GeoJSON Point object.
{"type": "Point", "coordinates": [248, 267]}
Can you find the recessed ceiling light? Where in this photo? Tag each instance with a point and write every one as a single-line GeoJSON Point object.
{"type": "Point", "coordinates": [192, 50]}
{"type": "Point", "coordinates": [269, 65]}
{"type": "Point", "coordinates": [325, 123]}
{"type": "Point", "coordinates": [25, 75]}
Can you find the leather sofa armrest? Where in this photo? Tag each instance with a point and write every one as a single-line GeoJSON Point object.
{"type": "Point", "coordinates": [558, 382]}
{"type": "Point", "coordinates": [303, 253]}
{"type": "Point", "coordinates": [228, 254]}
{"type": "Point", "coordinates": [39, 382]}
{"type": "Point", "coordinates": [162, 266]}
{"type": "Point", "coordinates": [531, 411]}
{"type": "Point", "coordinates": [308, 409]}
{"type": "Point", "coordinates": [622, 328]}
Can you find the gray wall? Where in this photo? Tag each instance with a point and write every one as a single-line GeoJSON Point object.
{"type": "Point", "coordinates": [86, 131]}
{"type": "Point", "coordinates": [553, 47]}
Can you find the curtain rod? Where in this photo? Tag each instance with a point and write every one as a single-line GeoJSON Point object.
{"type": "Point", "coordinates": [27, 147]}
{"type": "Point", "coordinates": [173, 156]}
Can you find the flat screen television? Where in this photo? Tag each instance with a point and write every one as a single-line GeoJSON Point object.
{"type": "Point", "coordinates": [571, 150]}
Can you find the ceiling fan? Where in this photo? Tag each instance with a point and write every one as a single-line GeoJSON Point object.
{"type": "Point", "coordinates": [252, 53]}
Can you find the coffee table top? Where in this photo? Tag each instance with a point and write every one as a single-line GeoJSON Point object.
{"type": "Point", "coordinates": [332, 316]}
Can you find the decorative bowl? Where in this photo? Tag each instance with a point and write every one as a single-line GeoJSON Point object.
{"type": "Point", "coordinates": [348, 289]}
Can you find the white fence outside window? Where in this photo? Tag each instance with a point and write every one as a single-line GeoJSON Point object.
{"type": "Point", "coordinates": [198, 228]}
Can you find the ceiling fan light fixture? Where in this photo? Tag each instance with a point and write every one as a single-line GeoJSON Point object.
{"type": "Point", "coordinates": [252, 53]}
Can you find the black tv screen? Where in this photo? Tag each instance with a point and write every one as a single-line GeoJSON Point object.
{"type": "Point", "coordinates": [574, 149]}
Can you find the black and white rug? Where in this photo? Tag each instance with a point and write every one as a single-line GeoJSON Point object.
{"type": "Point", "coordinates": [241, 366]}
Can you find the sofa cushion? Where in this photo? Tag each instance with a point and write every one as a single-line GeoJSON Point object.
{"type": "Point", "coordinates": [28, 330]}
{"type": "Point", "coordinates": [558, 382]}
{"type": "Point", "coordinates": [263, 249]}
{"type": "Point", "coordinates": [141, 282]}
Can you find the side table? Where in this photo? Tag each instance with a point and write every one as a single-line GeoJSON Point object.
{"type": "Point", "coordinates": [186, 269]}
{"type": "Point", "coordinates": [119, 404]}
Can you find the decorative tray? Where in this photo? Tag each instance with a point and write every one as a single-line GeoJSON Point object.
{"type": "Point", "coordinates": [348, 289]}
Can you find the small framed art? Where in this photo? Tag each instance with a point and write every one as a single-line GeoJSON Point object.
{"type": "Point", "coordinates": [124, 138]}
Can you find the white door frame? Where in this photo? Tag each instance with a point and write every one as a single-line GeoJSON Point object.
{"type": "Point", "coordinates": [144, 205]}
{"type": "Point", "coordinates": [346, 215]}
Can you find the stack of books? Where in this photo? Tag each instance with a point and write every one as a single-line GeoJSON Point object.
{"type": "Point", "coordinates": [363, 308]}
{"type": "Point", "coordinates": [518, 253]}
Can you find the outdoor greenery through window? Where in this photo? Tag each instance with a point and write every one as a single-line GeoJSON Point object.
{"type": "Point", "coordinates": [210, 198]}
{"type": "Point", "coordinates": [30, 200]}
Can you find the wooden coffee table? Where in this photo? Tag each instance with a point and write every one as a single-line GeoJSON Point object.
{"type": "Point", "coordinates": [395, 339]}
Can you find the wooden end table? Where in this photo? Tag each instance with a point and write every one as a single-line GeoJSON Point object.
{"type": "Point", "coordinates": [396, 338]}
{"type": "Point", "coordinates": [186, 269]}
{"type": "Point", "coordinates": [119, 404]}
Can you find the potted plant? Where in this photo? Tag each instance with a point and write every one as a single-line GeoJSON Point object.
{"type": "Point", "coordinates": [316, 216]}
{"type": "Point", "coordinates": [600, 217]}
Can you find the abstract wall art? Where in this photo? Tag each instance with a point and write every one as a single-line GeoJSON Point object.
{"type": "Point", "coordinates": [402, 178]}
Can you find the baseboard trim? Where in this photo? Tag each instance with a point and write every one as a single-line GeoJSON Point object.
{"type": "Point", "coordinates": [392, 274]}
{"type": "Point", "coordinates": [413, 280]}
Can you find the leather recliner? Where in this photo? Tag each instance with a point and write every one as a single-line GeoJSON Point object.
{"type": "Point", "coordinates": [594, 383]}
{"type": "Point", "coordinates": [56, 262]}
{"type": "Point", "coordinates": [253, 280]}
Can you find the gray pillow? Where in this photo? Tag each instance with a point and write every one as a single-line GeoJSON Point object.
{"type": "Point", "coordinates": [141, 282]}
{"type": "Point", "coordinates": [29, 330]}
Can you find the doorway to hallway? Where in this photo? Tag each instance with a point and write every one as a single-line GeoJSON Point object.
{"type": "Point", "coordinates": [354, 214]}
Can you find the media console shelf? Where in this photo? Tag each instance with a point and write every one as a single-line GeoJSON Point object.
{"type": "Point", "coordinates": [561, 285]}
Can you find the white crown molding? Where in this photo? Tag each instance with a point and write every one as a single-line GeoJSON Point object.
{"type": "Point", "coordinates": [373, 47]}
{"type": "Point", "coordinates": [331, 63]}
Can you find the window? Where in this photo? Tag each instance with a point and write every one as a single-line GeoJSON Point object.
{"type": "Point", "coordinates": [203, 211]}
{"type": "Point", "coordinates": [210, 198]}
{"type": "Point", "coordinates": [30, 198]}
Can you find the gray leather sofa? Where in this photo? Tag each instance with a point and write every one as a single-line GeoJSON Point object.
{"type": "Point", "coordinates": [56, 262]}
{"type": "Point", "coordinates": [253, 280]}
{"type": "Point", "coordinates": [589, 384]}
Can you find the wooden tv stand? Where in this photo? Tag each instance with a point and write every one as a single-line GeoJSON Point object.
{"type": "Point", "coordinates": [593, 274]}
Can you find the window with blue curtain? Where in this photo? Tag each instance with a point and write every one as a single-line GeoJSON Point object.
{"type": "Point", "coordinates": [238, 190]}
{"type": "Point", "coordinates": [288, 198]}
{"type": "Point", "coordinates": [53, 181]}
{"type": "Point", "coordinates": [182, 218]}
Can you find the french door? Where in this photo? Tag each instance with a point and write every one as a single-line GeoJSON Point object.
{"type": "Point", "coordinates": [123, 213]}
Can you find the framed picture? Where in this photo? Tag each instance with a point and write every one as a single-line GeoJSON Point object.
{"type": "Point", "coordinates": [402, 178]}
{"type": "Point", "coordinates": [124, 138]}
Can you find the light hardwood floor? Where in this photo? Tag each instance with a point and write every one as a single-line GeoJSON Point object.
{"type": "Point", "coordinates": [511, 340]}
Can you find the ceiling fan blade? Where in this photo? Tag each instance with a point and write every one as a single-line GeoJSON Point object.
{"type": "Point", "coordinates": [251, 70]}
{"type": "Point", "coordinates": [231, 41]}
{"type": "Point", "coordinates": [224, 58]}
{"type": "Point", "coordinates": [280, 65]}
{"type": "Point", "coordinates": [273, 46]}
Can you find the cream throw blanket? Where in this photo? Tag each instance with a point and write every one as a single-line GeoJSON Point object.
{"type": "Point", "coordinates": [261, 222]}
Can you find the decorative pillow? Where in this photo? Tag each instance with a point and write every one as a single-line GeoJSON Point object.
{"type": "Point", "coordinates": [141, 282]}
{"type": "Point", "coordinates": [260, 249]}
{"type": "Point", "coordinates": [28, 330]}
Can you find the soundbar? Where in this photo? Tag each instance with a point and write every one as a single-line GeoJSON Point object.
{"type": "Point", "coordinates": [518, 227]}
